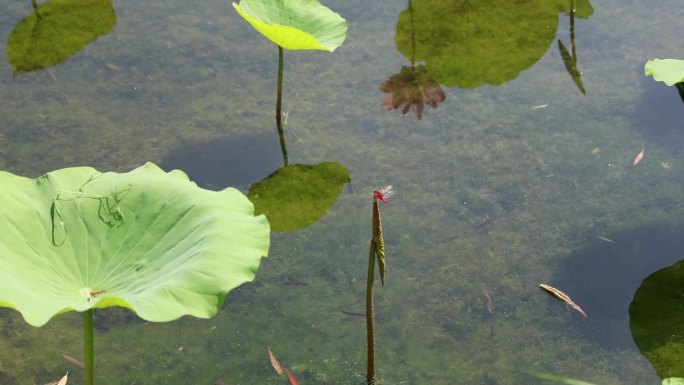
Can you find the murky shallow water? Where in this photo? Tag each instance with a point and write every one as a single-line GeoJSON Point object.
{"type": "Point", "coordinates": [493, 192]}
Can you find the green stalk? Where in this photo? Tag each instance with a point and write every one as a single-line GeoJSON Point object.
{"type": "Point", "coordinates": [370, 317]}
{"type": "Point", "coordinates": [89, 347]}
{"type": "Point", "coordinates": [279, 102]}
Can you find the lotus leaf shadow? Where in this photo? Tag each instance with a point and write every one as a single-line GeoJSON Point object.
{"type": "Point", "coordinates": [56, 30]}
{"type": "Point", "coordinates": [298, 195]}
{"type": "Point", "coordinates": [467, 44]}
{"type": "Point", "coordinates": [656, 314]}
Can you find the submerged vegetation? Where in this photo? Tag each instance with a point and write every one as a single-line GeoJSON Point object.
{"type": "Point", "coordinates": [501, 188]}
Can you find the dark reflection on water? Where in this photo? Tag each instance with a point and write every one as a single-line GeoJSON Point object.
{"type": "Point", "coordinates": [660, 114]}
{"type": "Point", "coordinates": [603, 277]}
{"type": "Point", "coordinates": [656, 320]}
{"type": "Point", "coordinates": [219, 163]}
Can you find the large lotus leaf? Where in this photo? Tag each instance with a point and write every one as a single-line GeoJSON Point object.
{"type": "Point", "coordinates": [673, 381]}
{"type": "Point", "coordinates": [295, 24]}
{"type": "Point", "coordinates": [56, 30]}
{"type": "Point", "coordinates": [583, 8]}
{"type": "Point", "coordinates": [298, 195]}
{"type": "Point", "coordinates": [657, 320]}
{"type": "Point", "coordinates": [469, 43]}
{"type": "Point", "coordinates": [148, 240]}
{"type": "Point", "coordinates": [669, 71]}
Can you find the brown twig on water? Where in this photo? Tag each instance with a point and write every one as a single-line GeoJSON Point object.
{"type": "Point", "coordinates": [73, 361]}
{"type": "Point", "coordinates": [275, 363]}
{"type": "Point", "coordinates": [563, 297]}
{"type": "Point", "coordinates": [490, 303]}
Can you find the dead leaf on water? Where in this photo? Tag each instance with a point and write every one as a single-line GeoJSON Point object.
{"type": "Point", "coordinates": [63, 381]}
{"type": "Point", "coordinates": [73, 361]}
{"type": "Point", "coordinates": [293, 379]}
{"type": "Point", "coordinates": [563, 297]}
{"type": "Point", "coordinates": [638, 158]}
{"type": "Point", "coordinates": [275, 363]}
{"type": "Point", "coordinates": [605, 239]}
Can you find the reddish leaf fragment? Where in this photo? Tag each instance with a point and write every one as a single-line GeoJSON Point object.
{"type": "Point", "coordinates": [293, 380]}
{"type": "Point", "coordinates": [638, 158]}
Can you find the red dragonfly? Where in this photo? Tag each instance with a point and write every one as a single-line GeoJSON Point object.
{"type": "Point", "coordinates": [383, 194]}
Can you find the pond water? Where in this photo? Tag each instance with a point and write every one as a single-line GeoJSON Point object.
{"type": "Point", "coordinates": [522, 175]}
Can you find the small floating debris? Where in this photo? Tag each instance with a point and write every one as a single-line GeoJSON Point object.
{"type": "Point", "coordinates": [538, 107]}
{"type": "Point", "coordinates": [638, 158]}
{"type": "Point", "coordinates": [353, 313]}
{"type": "Point", "coordinates": [490, 303]}
{"type": "Point", "coordinates": [557, 379]}
{"type": "Point", "coordinates": [487, 222]}
{"type": "Point", "coordinates": [293, 379]}
{"type": "Point", "coordinates": [73, 361]}
{"type": "Point", "coordinates": [563, 297]}
{"type": "Point", "coordinates": [274, 362]}
{"type": "Point", "coordinates": [604, 239]}
{"type": "Point", "coordinates": [63, 381]}
{"type": "Point", "coordinates": [666, 165]}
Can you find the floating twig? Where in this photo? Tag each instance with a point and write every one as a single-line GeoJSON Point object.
{"type": "Point", "coordinates": [563, 297]}
{"type": "Point", "coordinates": [490, 303]}
{"type": "Point", "coordinates": [73, 361]}
{"type": "Point", "coordinates": [604, 239]}
{"type": "Point", "coordinates": [275, 363]}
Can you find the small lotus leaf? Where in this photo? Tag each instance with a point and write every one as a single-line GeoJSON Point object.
{"type": "Point", "coordinates": [669, 71]}
{"type": "Point", "coordinates": [151, 241]}
{"type": "Point", "coordinates": [295, 24]}
{"type": "Point", "coordinates": [297, 195]}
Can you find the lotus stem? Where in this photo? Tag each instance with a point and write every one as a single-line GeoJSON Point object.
{"type": "Point", "coordinates": [279, 102]}
{"type": "Point", "coordinates": [413, 34]}
{"type": "Point", "coordinates": [572, 32]}
{"type": "Point", "coordinates": [370, 317]}
{"type": "Point", "coordinates": [89, 347]}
